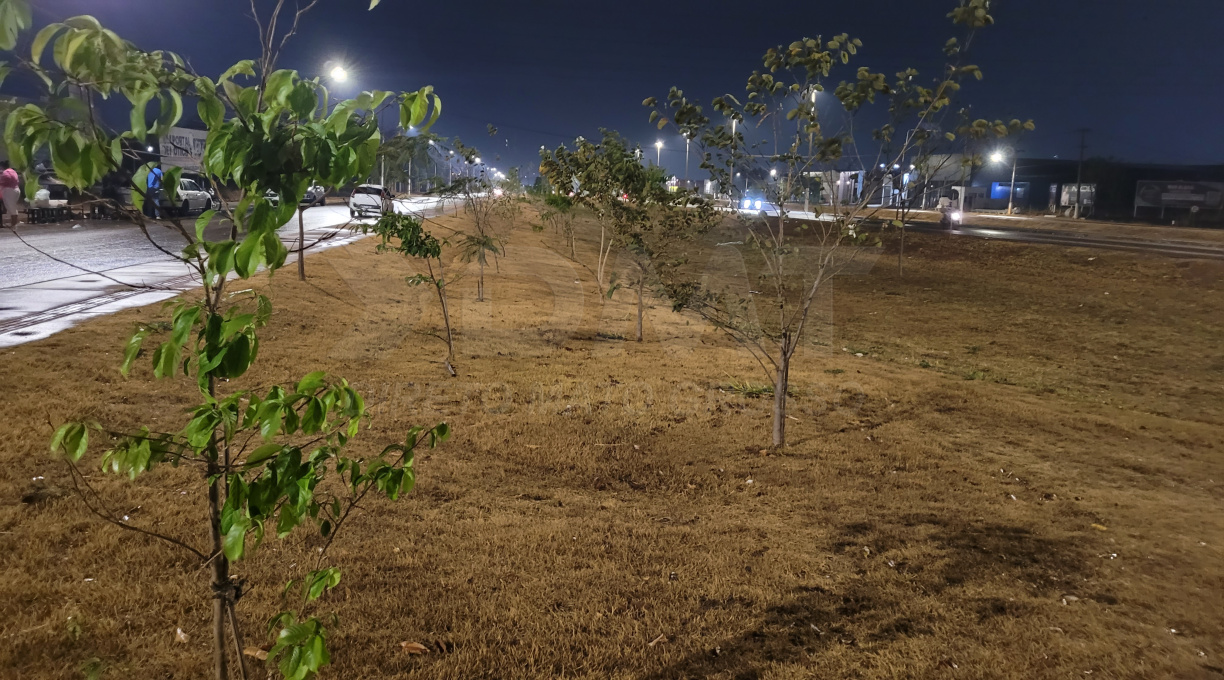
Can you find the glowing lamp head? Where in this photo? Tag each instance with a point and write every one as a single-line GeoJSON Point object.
{"type": "Point", "coordinates": [339, 75]}
{"type": "Point", "coordinates": [997, 157]}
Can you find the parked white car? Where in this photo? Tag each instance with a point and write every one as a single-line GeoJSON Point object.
{"type": "Point", "coordinates": [191, 198]}
{"type": "Point", "coordinates": [315, 195]}
{"type": "Point", "coordinates": [370, 200]}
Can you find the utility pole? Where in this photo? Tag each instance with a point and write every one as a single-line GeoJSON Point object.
{"type": "Point", "coordinates": [687, 141]}
{"type": "Point", "coordinates": [1079, 174]}
{"type": "Point", "coordinates": [1011, 192]}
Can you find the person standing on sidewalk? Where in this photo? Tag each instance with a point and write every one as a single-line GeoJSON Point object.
{"type": "Point", "coordinates": [10, 189]}
{"type": "Point", "coordinates": [153, 193]}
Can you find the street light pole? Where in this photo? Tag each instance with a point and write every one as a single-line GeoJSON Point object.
{"type": "Point", "coordinates": [687, 141]}
{"type": "Point", "coordinates": [733, 122]}
{"type": "Point", "coordinates": [1011, 193]}
{"type": "Point", "coordinates": [659, 147]}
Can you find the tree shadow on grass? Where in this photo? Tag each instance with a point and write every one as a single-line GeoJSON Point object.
{"type": "Point", "coordinates": [877, 610]}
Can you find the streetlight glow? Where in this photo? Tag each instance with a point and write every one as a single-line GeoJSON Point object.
{"type": "Point", "coordinates": [773, 172]}
{"type": "Point", "coordinates": [339, 75]}
{"type": "Point", "coordinates": [997, 157]}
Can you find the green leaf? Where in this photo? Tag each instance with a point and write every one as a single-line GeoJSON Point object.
{"type": "Point", "coordinates": [374, 3]}
{"type": "Point", "coordinates": [14, 18]}
{"type": "Point", "coordinates": [263, 313]}
{"type": "Point", "coordinates": [234, 542]}
{"type": "Point", "coordinates": [211, 109]}
{"type": "Point", "coordinates": [202, 223]}
{"type": "Point", "coordinates": [73, 438]}
{"type": "Point", "coordinates": [320, 581]}
{"type": "Point", "coordinates": [40, 41]}
{"type": "Point", "coordinates": [244, 67]}
{"type": "Point", "coordinates": [165, 360]}
{"type": "Point", "coordinates": [139, 117]}
{"type": "Point", "coordinates": [131, 350]}
{"type": "Point", "coordinates": [248, 256]}
{"type": "Point", "coordinates": [184, 320]}
{"type": "Point", "coordinates": [303, 101]}
{"type": "Point", "coordinates": [311, 382]}
{"type": "Point", "coordinates": [279, 85]}
{"type": "Point", "coordinates": [312, 419]}
{"type": "Point", "coordinates": [263, 453]}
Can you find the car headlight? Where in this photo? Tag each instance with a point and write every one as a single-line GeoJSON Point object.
{"type": "Point", "coordinates": [758, 205]}
{"type": "Point", "coordinates": [956, 217]}
{"type": "Point", "coordinates": [747, 203]}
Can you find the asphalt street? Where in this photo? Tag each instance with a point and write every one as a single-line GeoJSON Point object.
{"type": "Point", "coordinates": [1167, 247]}
{"type": "Point", "coordinates": [95, 268]}
{"type": "Point", "coordinates": [55, 276]}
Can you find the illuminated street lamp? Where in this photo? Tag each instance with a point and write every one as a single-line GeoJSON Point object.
{"type": "Point", "coordinates": [339, 74]}
{"type": "Point", "coordinates": [659, 147]}
{"type": "Point", "coordinates": [999, 157]}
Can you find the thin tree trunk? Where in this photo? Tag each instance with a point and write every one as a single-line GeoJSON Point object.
{"type": "Point", "coordinates": [641, 292]}
{"type": "Point", "coordinates": [220, 565]}
{"type": "Point", "coordinates": [781, 386]}
{"type": "Point", "coordinates": [599, 264]}
{"type": "Point", "coordinates": [450, 338]}
{"type": "Point", "coordinates": [901, 254]}
{"type": "Point", "coordinates": [301, 245]}
{"type": "Point", "coordinates": [236, 633]}
{"type": "Point", "coordinates": [220, 577]}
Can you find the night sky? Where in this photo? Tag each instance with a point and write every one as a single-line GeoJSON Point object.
{"type": "Point", "coordinates": [1147, 77]}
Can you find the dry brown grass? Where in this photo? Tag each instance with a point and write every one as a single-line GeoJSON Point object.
{"type": "Point", "coordinates": [599, 494]}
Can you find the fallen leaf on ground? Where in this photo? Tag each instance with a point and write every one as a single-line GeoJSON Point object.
{"type": "Point", "coordinates": [180, 636]}
{"type": "Point", "coordinates": [256, 653]}
{"type": "Point", "coordinates": [661, 638]}
{"type": "Point", "coordinates": [1100, 527]}
{"type": "Point", "coordinates": [414, 648]}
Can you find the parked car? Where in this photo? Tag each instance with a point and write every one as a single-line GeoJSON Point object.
{"type": "Point", "coordinates": [370, 199]}
{"type": "Point", "coordinates": [272, 197]}
{"type": "Point", "coordinates": [206, 187]}
{"type": "Point", "coordinates": [315, 195]}
{"type": "Point", "coordinates": [192, 198]}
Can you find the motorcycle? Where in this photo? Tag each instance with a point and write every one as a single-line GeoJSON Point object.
{"type": "Point", "coordinates": [950, 217]}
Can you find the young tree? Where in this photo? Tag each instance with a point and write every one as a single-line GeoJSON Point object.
{"type": "Point", "coordinates": [404, 234]}
{"type": "Point", "coordinates": [477, 248]}
{"type": "Point", "coordinates": [589, 175]}
{"type": "Point", "coordinates": [800, 258]}
{"type": "Point", "coordinates": [404, 158]}
{"type": "Point", "coordinates": [637, 211]}
{"type": "Point", "coordinates": [558, 211]}
{"type": "Point", "coordinates": [268, 461]}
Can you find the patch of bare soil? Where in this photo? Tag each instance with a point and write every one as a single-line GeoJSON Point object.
{"type": "Point", "coordinates": [1019, 478]}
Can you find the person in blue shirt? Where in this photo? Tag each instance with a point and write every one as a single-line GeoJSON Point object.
{"type": "Point", "coordinates": [153, 193]}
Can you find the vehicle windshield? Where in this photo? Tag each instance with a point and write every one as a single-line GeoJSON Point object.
{"type": "Point", "coordinates": [367, 190]}
{"type": "Point", "coordinates": [188, 185]}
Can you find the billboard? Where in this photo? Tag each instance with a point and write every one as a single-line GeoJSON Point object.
{"type": "Point", "coordinates": [1204, 195]}
{"type": "Point", "coordinates": [1000, 191]}
{"type": "Point", "coordinates": [1069, 196]}
{"type": "Point", "coordinates": [183, 148]}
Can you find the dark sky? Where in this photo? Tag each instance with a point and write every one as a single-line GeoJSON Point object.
{"type": "Point", "coordinates": [1147, 76]}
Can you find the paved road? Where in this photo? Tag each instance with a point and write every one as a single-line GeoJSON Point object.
{"type": "Point", "coordinates": [83, 267]}
{"type": "Point", "coordinates": [1173, 248]}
